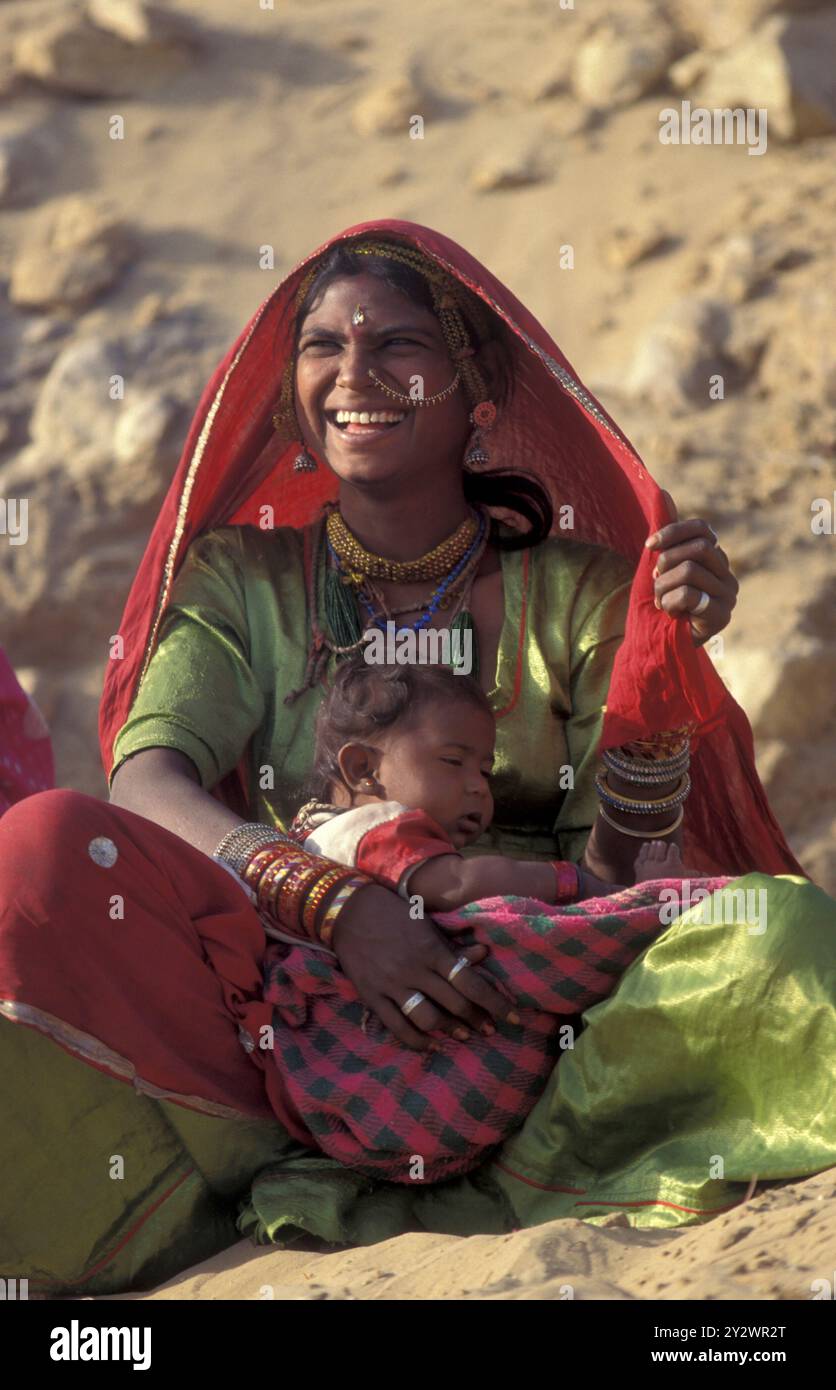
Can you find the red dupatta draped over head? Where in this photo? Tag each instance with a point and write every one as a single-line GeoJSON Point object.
{"type": "Point", "coordinates": [234, 463]}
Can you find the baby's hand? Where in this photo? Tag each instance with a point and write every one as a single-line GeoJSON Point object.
{"type": "Point", "coordinates": [656, 859]}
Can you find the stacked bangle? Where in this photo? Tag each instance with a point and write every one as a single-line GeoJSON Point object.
{"type": "Point", "coordinates": [239, 844]}
{"type": "Point", "coordinates": [643, 772]}
{"type": "Point", "coordinates": [649, 806]}
{"type": "Point", "coordinates": [290, 885]}
{"type": "Point", "coordinates": [647, 764]}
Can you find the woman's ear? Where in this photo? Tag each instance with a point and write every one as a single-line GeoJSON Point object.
{"type": "Point", "coordinates": [357, 763]}
{"type": "Point", "coordinates": [488, 361]}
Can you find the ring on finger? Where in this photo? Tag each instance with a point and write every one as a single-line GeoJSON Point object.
{"type": "Point", "coordinates": [412, 1002]}
{"type": "Point", "coordinates": [460, 965]}
{"type": "Point", "coordinates": [705, 599]}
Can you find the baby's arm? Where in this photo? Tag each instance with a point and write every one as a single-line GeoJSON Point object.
{"type": "Point", "coordinates": [448, 881]}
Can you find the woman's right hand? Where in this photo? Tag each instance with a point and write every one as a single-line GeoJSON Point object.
{"type": "Point", "coordinates": [388, 955]}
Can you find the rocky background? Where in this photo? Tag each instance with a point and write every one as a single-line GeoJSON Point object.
{"type": "Point", "coordinates": [241, 125]}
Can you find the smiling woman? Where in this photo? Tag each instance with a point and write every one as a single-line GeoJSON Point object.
{"type": "Point", "coordinates": [141, 1039]}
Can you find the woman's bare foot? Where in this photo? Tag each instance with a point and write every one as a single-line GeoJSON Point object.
{"type": "Point", "coordinates": [656, 859]}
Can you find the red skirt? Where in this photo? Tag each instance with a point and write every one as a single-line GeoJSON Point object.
{"type": "Point", "coordinates": [136, 952]}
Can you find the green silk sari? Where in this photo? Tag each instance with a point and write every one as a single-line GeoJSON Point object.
{"type": "Point", "coordinates": [709, 1066]}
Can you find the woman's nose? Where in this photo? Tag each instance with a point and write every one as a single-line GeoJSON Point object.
{"type": "Point", "coordinates": [355, 361]}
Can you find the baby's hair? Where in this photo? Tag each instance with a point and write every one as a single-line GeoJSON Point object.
{"type": "Point", "coordinates": [367, 698]}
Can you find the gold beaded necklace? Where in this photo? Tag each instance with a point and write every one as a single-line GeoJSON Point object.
{"type": "Point", "coordinates": [437, 562]}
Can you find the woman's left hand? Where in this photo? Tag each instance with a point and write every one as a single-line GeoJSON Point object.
{"type": "Point", "coordinates": [690, 565]}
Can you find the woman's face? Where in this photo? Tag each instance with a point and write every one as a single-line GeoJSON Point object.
{"type": "Point", "coordinates": [405, 346]}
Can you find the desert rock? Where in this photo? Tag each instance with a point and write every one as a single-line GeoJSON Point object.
{"type": "Point", "coordinates": [805, 352]}
{"type": "Point", "coordinates": [627, 246]}
{"type": "Point", "coordinates": [139, 22]}
{"type": "Point", "coordinates": [787, 68]}
{"type": "Point", "coordinates": [73, 54]}
{"type": "Point", "coordinates": [514, 169]}
{"type": "Point", "coordinates": [716, 24]}
{"type": "Point", "coordinates": [389, 106]}
{"type": "Point", "coordinates": [621, 60]}
{"type": "Point", "coordinates": [28, 155]}
{"type": "Point", "coordinates": [679, 354]}
{"type": "Point", "coordinates": [76, 253]}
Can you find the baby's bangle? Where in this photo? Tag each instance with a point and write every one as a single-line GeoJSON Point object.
{"type": "Point", "coordinates": [567, 881]}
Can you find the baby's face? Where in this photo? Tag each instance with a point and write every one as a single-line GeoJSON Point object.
{"type": "Point", "coordinates": [441, 764]}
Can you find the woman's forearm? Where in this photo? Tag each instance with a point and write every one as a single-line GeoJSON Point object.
{"type": "Point", "coordinates": [609, 853]}
{"type": "Point", "coordinates": [163, 785]}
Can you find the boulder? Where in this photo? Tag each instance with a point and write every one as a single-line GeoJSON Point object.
{"type": "Point", "coordinates": [388, 106]}
{"type": "Point", "coordinates": [95, 472]}
{"type": "Point", "coordinates": [623, 58]}
{"type": "Point", "coordinates": [804, 350]}
{"type": "Point", "coordinates": [716, 24]}
{"type": "Point", "coordinates": [145, 438]}
{"type": "Point", "coordinates": [28, 153]}
{"type": "Point", "coordinates": [679, 353]}
{"type": "Point", "coordinates": [139, 22]}
{"type": "Point", "coordinates": [75, 253]}
{"type": "Point", "coordinates": [508, 170]}
{"type": "Point", "coordinates": [788, 689]}
{"type": "Point", "coordinates": [550, 79]}
{"type": "Point", "coordinates": [787, 68]}
{"type": "Point", "coordinates": [77, 420]}
{"type": "Point", "coordinates": [741, 266]}
{"type": "Point", "coordinates": [74, 418]}
{"type": "Point", "coordinates": [783, 670]}
{"type": "Point", "coordinates": [626, 246]}
{"type": "Point", "coordinates": [685, 72]}
{"type": "Point", "coordinates": [71, 53]}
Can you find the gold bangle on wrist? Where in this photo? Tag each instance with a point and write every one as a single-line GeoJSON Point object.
{"type": "Point", "coordinates": [288, 898]}
{"type": "Point", "coordinates": [644, 834]}
{"type": "Point", "coordinates": [336, 905]}
{"type": "Point", "coordinates": [317, 895]}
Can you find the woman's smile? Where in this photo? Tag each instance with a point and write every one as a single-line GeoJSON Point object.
{"type": "Point", "coordinates": [358, 427]}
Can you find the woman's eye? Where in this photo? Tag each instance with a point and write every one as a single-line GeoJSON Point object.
{"type": "Point", "coordinates": [454, 762]}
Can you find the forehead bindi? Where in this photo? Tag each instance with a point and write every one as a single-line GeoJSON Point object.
{"type": "Point", "coordinates": [383, 311]}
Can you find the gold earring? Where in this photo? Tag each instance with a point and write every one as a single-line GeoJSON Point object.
{"type": "Point", "coordinates": [482, 417]}
{"type": "Point", "coordinates": [286, 424]}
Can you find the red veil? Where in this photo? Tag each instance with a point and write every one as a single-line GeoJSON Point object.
{"type": "Point", "coordinates": [233, 464]}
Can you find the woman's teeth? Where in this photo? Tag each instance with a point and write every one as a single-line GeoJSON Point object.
{"type": "Point", "coordinates": [369, 417]}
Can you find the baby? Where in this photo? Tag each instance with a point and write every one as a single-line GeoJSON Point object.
{"type": "Point", "coordinates": [402, 784]}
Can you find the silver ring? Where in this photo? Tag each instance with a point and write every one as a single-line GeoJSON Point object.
{"type": "Point", "coordinates": [705, 599]}
{"type": "Point", "coordinates": [460, 965]}
{"type": "Point", "coordinates": [412, 1002]}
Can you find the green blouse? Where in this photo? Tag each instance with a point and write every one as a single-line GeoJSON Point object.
{"type": "Point", "coordinates": [235, 639]}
